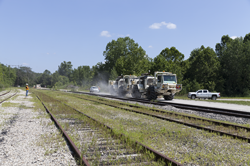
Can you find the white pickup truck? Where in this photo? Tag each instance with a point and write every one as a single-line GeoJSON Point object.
{"type": "Point", "coordinates": [203, 94]}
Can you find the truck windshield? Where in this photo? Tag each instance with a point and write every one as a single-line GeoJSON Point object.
{"type": "Point", "coordinates": [169, 79]}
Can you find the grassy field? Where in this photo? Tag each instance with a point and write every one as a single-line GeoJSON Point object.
{"type": "Point", "coordinates": [184, 144]}
{"type": "Point", "coordinates": [88, 143]}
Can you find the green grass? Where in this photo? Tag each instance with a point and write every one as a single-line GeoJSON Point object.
{"type": "Point", "coordinates": [62, 113]}
{"type": "Point", "coordinates": [184, 144]}
{"type": "Point", "coordinates": [10, 104]}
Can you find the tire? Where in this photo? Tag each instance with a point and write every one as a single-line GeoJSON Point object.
{"type": "Point", "coordinates": [214, 97]}
{"type": "Point", "coordinates": [168, 97]}
{"type": "Point", "coordinates": [193, 97]}
{"type": "Point", "coordinates": [121, 92]}
{"type": "Point", "coordinates": [151, 95]}
{"type": "Point", "coordinates": [111, 90]}
{"type": "Point", "coordinates": [135, 92]}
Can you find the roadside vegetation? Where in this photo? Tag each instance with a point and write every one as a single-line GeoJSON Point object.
{"type": "Point", "coordinates": [179, 142]}
{"type": "Point", "coordinates": [89, 142]}
{"type": "Point", "coordinates": [180, 117]}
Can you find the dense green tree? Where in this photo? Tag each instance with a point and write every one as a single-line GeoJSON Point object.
{"type": "Point", "coordinates": [26, 75]}
{"type": "Point", "coordinates": [82, 75]}
{"type": "Point", "coordinates": [126, 56]}
{"type": "Point", "coordinates": [133, 63]}
{"type": "Point", "coordinates": [160, 64]}
{"type": "Point", "coordinates": [170, 60]}
{"type": "Point", "coordinates": [220, 47]}
{"type": "Point", "coordinates": [45, 78]}
{"type": "Point", "coordinates": [172, 55]}
{"type": "Point", "coordinates": [65, 69]}
{"type": "Point", "coordinates": [62, 80]}
{"type": "Point", "coordinates": [54, 78]}
{"type": "Point", "coordinates": [246, 38]}
{"type": "Point", "coordinates": [235, 69]}
{"type": "Point", "coordinates": [203, 67]}
{"type": "Point", "coordinates": [113, 74]}
{"type": "Point", "coordinates": [7, 76]}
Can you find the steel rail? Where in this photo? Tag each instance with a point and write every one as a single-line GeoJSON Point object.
{"type": "Point", "coordinates": [158, 155]}
{"type": "Point", "coordinates": [8, 97]}
{"type": "Point", "coordinates": [184, 123]}
{"type": "Point", "coordinates": [221, 111]}
{"type": "Point", "coordinates": [190, 117]}
{"type": "Point", "coordinates": [77, 153]}
{"type": "Point", "coordinates": [5, 93]}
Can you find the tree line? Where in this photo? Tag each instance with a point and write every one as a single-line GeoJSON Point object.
{"type": "Point", "coordinates": [225, 69]}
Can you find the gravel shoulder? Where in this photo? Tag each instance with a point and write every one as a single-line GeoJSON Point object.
{"type": "Point", "coordinates": [28, 136]}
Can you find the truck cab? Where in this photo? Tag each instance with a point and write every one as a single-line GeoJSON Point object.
{"type": "Point", "coordinates": [166, 84]}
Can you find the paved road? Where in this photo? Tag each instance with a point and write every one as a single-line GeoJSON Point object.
{"type": "Point", "coordinates": [211, 104]}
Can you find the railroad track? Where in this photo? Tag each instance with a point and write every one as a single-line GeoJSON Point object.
{"type": "Point", "coordinates": [215, 110]}
{"type": "Point", "coordinates": [7, 97]}
{"type": "Point", "coordinates": [5, 93]}
{"type": "Point", "coordinates": [235, 131]}
{"type": "Point", "coordinates": [96, 143]}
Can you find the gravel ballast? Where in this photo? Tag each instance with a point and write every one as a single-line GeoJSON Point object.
{"type": "Point", "coordinates": [214, 116]}
{"type": "Point", "coordinates": [28, 136]}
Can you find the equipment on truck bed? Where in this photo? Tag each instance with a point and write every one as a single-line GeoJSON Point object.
{"type": "Point", "coordinates": [161, 84]}
{"type": "Point", "coordinates": [146, 86]}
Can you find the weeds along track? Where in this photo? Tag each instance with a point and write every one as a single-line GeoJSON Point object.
{"type": "Point", "coordinates": [187, 145]}
{"type": "Point", "coordinates": [233, 130]}
{"type": "Point", "coordinates": [215, 110]}
{"type": "Point", "coordinates": [5, 93]}
{"type": "Point", "coordinates": [96, 143]}
{"type": "Point", "coordinates": [7, 97]}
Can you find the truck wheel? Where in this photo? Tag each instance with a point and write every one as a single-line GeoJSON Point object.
{"type": "Point", "coordinates": [121, 92]}
{"type": "Point", "coordinates": [214, 97]}
{"type": "Point", "coordinates": [135, 92]}
{"type": "Point", "coordinates": [151, 95]}
{"type": "Point", "coordinates": [168, 97]}
{"type": "Point", "coordinates": [112, 91]}
{"type": "Point", "coordinates": [193, 97]}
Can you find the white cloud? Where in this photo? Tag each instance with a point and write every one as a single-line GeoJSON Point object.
{"type": "Point", "coordinates": [163, 23]}
{"type": "Point", "coordinates": [171, 25]}
{"type": "Point", "coordinates": [234, 37]}
{"type": "Point", "coordinates": [47, 53]}
{"type": "Point", "coordinates": [105, 34]}
{"type": "Point", "coordinates": [25, 64]}
{"type": "Point", "coordinates": [150, 46]}
{"type": "Point", "coordinates": [128, 35]}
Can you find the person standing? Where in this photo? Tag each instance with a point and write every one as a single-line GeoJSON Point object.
{"type": "Point", "coordinates": [27, 89]}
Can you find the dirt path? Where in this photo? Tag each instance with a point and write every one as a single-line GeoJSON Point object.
{"type": "Point", "coordinates": [28, 136]}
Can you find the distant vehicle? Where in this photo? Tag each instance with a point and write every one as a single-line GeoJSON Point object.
{"type": "Point", "coordinates": [94, 89]}
{"type": "Point", "coordinates": [203, 93]}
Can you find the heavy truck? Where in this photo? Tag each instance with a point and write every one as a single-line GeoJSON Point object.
{"type": "Point", "coordinates": [146, 86]}
{"type": "Point", "coordinates": [161, 84]}
{"type": "Point", "coordinates": [122, 86]}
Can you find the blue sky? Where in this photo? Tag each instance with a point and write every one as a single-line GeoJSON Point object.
{"type": "Point", "coordinates": [43, 33]}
